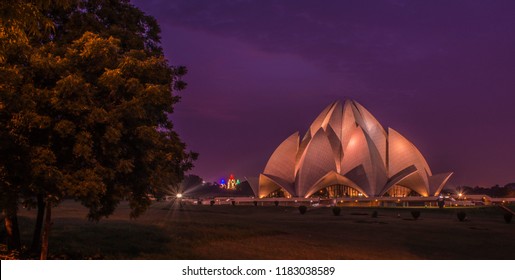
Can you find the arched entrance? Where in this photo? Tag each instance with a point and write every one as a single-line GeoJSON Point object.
{"type": "Point", "coordinates": [337, 191]}
{"type": "Point", "coordinates": [400, 191]}
{"type": "Point", "coordinates": [279, 193]}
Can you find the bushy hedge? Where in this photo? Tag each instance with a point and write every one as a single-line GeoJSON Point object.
{"type": "Point", "coordinates": [461, 216]}
{"type": "Point", "coordinates": [508, 217]}
{"type": "Point", "coordinates": [336, 210]}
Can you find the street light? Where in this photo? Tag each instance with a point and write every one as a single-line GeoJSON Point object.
{"type": "Point", "coordinates": [179, 197]}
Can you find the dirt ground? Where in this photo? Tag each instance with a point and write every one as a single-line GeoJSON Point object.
{"type": "Point", "coordinates": [269, 232]}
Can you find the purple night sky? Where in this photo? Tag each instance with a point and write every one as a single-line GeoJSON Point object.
{"type": "Point", "coordinates": [441, 73]}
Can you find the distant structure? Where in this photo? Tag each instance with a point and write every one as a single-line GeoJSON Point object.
{"type": "Point", "coordinates": [347, 153]}
{"type": "Point", "coordinates": [231, 183]}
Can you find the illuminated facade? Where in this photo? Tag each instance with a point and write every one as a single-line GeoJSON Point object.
{"type": "Point", "coordinates": [231, 183]}
{"type": "Point", "coordinates": [346, 153]}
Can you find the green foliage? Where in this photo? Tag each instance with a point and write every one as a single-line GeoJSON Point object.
{"type": "Point", "coordinates": [84, 111]}
{"type": "Point", "coordinates": [191, 181]}
{"type": "Point", "coordinates": [507, 190]}
{"type": "Point", "coordinates": [116, 18]}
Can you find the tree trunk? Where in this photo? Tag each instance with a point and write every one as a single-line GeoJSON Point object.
{"type": "Point", "coordinates": [12, 229]}
{"type": "Point", "coordinates": [46, 232]}
{"type": "Point", "coordinates": [36, 239]}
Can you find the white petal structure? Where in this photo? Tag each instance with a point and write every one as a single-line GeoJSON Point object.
{"type": "Point", "coordinates": [316, 161]}
{"type": "Point", "coordinates": [280, 169]}
{"type": "Point", "coordinates": [347, 152]}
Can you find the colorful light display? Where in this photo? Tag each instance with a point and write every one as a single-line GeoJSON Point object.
{"type": "Point", "coordinates": [230, 184]}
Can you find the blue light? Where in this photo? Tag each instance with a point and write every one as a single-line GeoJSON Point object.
{"type": "Point", "coordinates": [222, 181]}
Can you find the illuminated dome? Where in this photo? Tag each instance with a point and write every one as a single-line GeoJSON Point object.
{"type": "Point", "coordinates": [346, 152]}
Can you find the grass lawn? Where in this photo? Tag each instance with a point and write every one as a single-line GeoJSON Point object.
{"type": "Point", "coordinates": [248, 232]}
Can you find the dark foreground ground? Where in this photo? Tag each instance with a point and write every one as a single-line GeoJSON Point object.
{"type": "Point", "coordinates": [248, 232]}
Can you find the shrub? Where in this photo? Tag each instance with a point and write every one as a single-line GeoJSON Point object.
{"type": "Point", "coordinates": [233, 203]}
{"type": "Point", "coordinates": [415, 214]}
{"type": "Point", "coordinates": [507, 217]}
{"type": "Point", "coordinates": [212, 202]}
{"type": "Point", "coordinates": [336, 210]}
{"type": "Point", "coordinates": [462, 216]}
{"type": "Point", "coordinates": [255, 203]}
{"type": "Point", "coordinates": [374, 214]}
{"type": "Point", "coordinates": [276, 203]}
{"type": "Point", "coordinates": [303, 209]}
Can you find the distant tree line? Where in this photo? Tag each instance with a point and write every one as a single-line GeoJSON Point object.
{"type": "Point", "coordinates": [495, 191]}
{"type": "Point", "coordinates": [195, 187]}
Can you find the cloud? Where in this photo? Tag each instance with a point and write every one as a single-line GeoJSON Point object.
{"type": "Point", "coordinates": [340, 35]}
{"type": "Point", "coordinates": [383, 46]}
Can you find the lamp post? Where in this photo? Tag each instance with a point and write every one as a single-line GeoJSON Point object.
{"type": "Point", "coordinates": [179, 198]}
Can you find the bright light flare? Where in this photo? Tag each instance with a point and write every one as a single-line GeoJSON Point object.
{"type": "Point", "coordinates": [179, 195]}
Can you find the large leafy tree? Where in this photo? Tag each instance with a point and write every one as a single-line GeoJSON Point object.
{"type": "Point", "coordinates": [20, 21]}
{"type": "Point", "coordinates": [84, 113]}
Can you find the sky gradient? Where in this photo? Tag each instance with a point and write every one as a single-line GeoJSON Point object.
{"type": "Point", "coordinates": [441, 73]}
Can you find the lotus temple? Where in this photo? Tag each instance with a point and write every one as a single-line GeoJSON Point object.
{"type": "Point", "coordinates": [347, 153]}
